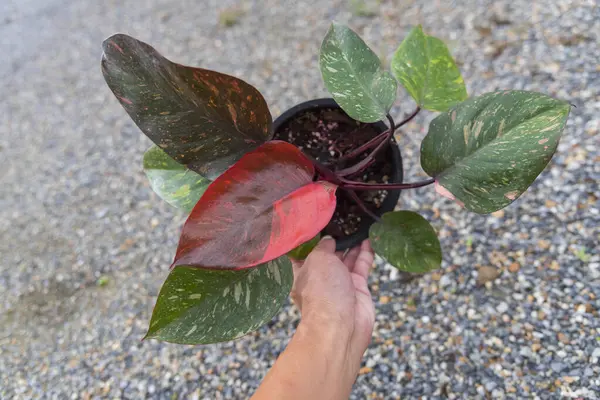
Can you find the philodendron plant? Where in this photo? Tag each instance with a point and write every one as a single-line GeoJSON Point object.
{"type": "Point", "coordinates": [253, 200]}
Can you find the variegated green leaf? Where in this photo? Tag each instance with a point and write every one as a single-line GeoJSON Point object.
{"type": "Point", "coordinates": [199, 306]}
{"type": "Point", "coordinates": [353, 75]}
{"type": "Point", "coordinates": [407, 241]}
{"type": "Point", "coordinates": [173, 182]}
{"type": "Point", "coordinates": [486, 151]}
{"type": "Point", "coordinates": [427, 70]}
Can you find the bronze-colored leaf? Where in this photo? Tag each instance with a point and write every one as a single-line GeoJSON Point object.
{"type": "Point", "coordinates": [203, 119]}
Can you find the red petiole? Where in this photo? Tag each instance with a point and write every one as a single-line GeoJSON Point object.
{"type": "Point", "coordinates": [384, 186]}
{"type": "Point", "coordinates": [368, 160]}
{"type": "Point", "coordinates": [379, 143]}
{"type": "Point", "coordinates": [367, 146]}
{"type": "Point", "coordinates": [362, 205]}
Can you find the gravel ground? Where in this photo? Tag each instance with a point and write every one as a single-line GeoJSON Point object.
{"type": "Point", "coordinates": [514, 313]}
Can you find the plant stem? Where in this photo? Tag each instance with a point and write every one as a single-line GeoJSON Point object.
{"type": "Point", "coordinates": [355, 169]}
{"type": "Point", "coordinates": [359, 150]}
{"type": "Point", "coordinates": [364, 163]}
{"type": "Point", "coordinates": [362, 205]}
{"type": "Point", "coordinates": [379, 142]}
{"type": "Point", "coordinates": [346, 184]}
{"type": "Point", "coordinates": [377, 139]}
{"type": "Point", "coordinates": [326, 173]}
{"type": "Point", "coordinates": [409, 118]}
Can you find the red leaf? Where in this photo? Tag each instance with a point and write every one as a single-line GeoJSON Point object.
{"type": "Point", "coordinates": [259, 209]}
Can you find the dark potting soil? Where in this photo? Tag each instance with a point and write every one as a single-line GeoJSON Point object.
{"type": "Point", "coordinates": [326, 135]}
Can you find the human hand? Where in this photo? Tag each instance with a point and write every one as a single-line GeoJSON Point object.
{"type": "Point", "coordinates": [323, 358]}
{"type": "Point", "coordinates": [332, 293]}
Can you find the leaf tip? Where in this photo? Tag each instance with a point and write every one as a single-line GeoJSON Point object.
{"type": "Point", "coordinates": [114, 42]}
{"type": "Point", "coordinates": [335, 25]}
{"type": "Point", "coordinates": [330, 31]}
{"type": "Point", "coordinates": [149, 335]}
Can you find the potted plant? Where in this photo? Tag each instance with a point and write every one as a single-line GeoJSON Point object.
{"type": "Point", "coordinates": [257, 191]}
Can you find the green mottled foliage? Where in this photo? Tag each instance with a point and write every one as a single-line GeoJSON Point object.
{"type": "Point", "coordinates": [197, 306]}
{"type": "Point", "coordinates": [353, 75]}
{"type": "Point", "coordinates": [173, 182]}
{"type": "Point", "coordinates": [486, 151]}
{"type": "Point", "coordinates": [426, 69]}
{"type": "Point", "coordinates": [407, 241]}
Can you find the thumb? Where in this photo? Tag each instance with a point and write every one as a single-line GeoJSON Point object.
{"type": "Point", "coordinates": [326, 245]}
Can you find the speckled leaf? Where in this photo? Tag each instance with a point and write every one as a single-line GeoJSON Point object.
{"type": "Point", "coordinates": [203, 119]}
{"type": "Point", "coordinates": [302, 251]}
{"type": "Point", "coordinates": [427, 70]}
{"type": "Point", "coordinates": [259, 209]}
{"type": "Point", "coordinates": [488, 150]}
{"type": "Point", "coordinates": [173, 182]}
{"type": "Point", "coordinates": [407, 241]}
{"type": "Point", "coordinates": [353, 75]}
{"type": "Point", "coordinates": [199, 306]}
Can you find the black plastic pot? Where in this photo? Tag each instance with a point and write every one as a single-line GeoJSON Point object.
{"type": "Point", "coordinates": [393, 153]}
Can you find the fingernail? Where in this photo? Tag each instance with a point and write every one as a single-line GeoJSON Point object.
{"type": "Point", "coordinates": [326, 237]}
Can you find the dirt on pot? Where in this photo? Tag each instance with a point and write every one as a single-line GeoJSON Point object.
{"type": "Point", "coordinates": [326, 135]}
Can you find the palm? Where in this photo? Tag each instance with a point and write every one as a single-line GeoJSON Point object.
{"type": "Point", "coordinates": [336, 285]}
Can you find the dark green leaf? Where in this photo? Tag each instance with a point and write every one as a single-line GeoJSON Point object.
{"type": "Point", "coordinates": [199, 306]}
{"type": "Point", "coordinates": [353, 75]}
{"type": "Point", "coordinates": [302, 251]}
{"type": "Point", "coordinates": [203, 119]}
{"type": "Point", "coordinates": [488, 150]}
{"type": "Point", "coordinates": [173, 182]}
{"type": "Point", "coordinates": [427, 70]}
{"type": "Point", "coordinates": [407, 241]}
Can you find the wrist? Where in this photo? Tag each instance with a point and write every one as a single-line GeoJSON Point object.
{"type": "Point", "coordinates": [330, 349]}
{"type": "Point", "coordinates": [335, 339]}
{"type": "Point", "coordinates": [331, 330]}
{"type": "Point", "coordinates": [317, 363]}
{"type": "Point", "coordinates": [327, 327]}
{"type": "Point", "coordinates": [324, 333]}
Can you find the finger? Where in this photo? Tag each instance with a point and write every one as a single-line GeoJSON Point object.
{"type": "Point", "coordinates": [296, 299]}
{"type": "Point", "coordinates": [296, 266]}
{"type": "Point", "coordinates": [296, 263]}
{"type": "Point", "coordinates": [297, 270]}
{"type": "Point", "coordinates": [350, 257]}
{"type": "Point", "coordinates": [364, 261]}
{"type": "Point", "coordinates": [326, 245]}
